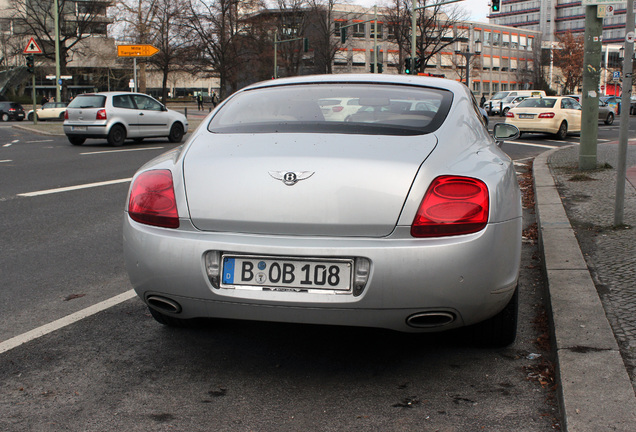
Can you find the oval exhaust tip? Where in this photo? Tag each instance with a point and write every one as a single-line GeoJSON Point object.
{"type": "Point", "coordinates": [164, 304]}
{"type": "Point", "coordinates": [430, 319]}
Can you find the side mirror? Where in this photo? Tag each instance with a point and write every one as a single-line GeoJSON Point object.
{"type": "Point", "coordinates": [505, 132]}
{"type": "Point", "coordinates": [163, 108]}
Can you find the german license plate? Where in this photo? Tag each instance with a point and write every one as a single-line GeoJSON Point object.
{"type": "Point", "coordinates": [78, 128]}
{"type": "Point", "coordinates": [283, 273]}
{"type": "Point", "coordinates": [526, 116]}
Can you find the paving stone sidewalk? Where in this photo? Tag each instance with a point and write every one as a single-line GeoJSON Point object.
{"type": "Point", "coordinates": [610, 252]}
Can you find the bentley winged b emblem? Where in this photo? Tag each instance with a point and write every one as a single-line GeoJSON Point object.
{"type": "Point", "coordinates": [290, 178]}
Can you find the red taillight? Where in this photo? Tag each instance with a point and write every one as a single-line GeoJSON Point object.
{"type": "Point", "coordinates": [509, 114]}
{"type": "Point", "coordinates": [101, 114]}
{"type": "Point", "coordinates": [452, 206]}
{"type": "Point", "coordinates": [11, 109]}
{"type": "Point", "coordinates": [337, 108]}
{"type": "Point", "coordinates": [66, 115]}
{"type": "Point", "coordinates": [546, 115]}
{"type": "Point", "coordinates": [152, 200]}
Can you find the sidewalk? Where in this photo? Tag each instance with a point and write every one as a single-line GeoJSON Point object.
{"type": "Point", "coordinates": [592, 286]}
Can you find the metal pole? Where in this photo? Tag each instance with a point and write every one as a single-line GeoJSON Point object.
{"type": "Point", "coordinates": [135, 73]}
{"type": "Point", "coordinates": [275, 55]}
{"type": "Point", "coordinates": [591, 78]}
{"type": "Point", "coordinates": [621, 169]}
{"type": "Point", "coordinates": [57, 51]}
{"type": "Point", "coordinates": [413, 34]}
{"type": "Point", "coordinates": [35, 114]}
{"type": "Point", "coordinates": [375, 40]}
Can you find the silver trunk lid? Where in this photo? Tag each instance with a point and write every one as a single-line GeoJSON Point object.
{"type": "Point", "coordinates": [356, 185]}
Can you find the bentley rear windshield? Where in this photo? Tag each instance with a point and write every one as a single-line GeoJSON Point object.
{"type": "Point", "coordinates": [335, 108]}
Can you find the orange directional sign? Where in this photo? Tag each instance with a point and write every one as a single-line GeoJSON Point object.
{"type": "Point", "coordinates": [136, 50]}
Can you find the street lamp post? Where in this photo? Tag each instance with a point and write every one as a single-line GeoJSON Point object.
{"type": "Point", "coordinates": [467, 55]}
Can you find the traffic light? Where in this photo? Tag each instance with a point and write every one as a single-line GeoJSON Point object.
{"type": "Point", "coordinates": [407, 65]}
{"type": "Point", "coordinates": [30, 62]}
{"type": "Point", "coordinates": [495, 6]}
{"type": "Point", "coordinates": [418, 64]}
{"type": "Point", "coordinates": [306, 44]}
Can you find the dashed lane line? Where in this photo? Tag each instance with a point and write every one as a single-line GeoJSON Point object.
{"type": "Point", "coordinates": [120, 151]}
{"type": "Point", "coordinates": [73, 188]}
{"type": "Point", "coordinates": [36, 333]}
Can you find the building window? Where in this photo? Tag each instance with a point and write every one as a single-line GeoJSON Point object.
{"type": "Point", "coordinates": [371, 32]}
{"type": "Point", "coordinates": [486, 87]}
{"type": "Point", "coordinates": [495, 87]}
{"type": "Point", "coordinates": [358, 30]}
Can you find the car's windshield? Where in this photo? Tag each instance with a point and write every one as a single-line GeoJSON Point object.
{"type": "Point", "coordinates": [88, 101]}
{"type": "Point", "coordinates": [500, 95]}
{"type": "Point", "coordinates": [537, 103]}
{"type": "Point", "coordinates": [335, 108]}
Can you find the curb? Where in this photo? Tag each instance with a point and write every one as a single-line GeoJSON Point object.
{"type": "Point", "coordinates": [595, 392]}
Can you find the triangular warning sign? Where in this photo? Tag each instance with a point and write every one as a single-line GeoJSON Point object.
{"type": "Point", "coordinates": [32, 47]}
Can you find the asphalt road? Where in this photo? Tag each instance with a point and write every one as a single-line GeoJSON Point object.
{"type": "Point", "coordinates": [117, 369]}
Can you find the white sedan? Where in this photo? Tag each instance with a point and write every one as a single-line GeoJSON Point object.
{"type": "Point", "coordinates": [49, 111]}
{"type": "Point", "coordinates": [555, 115]}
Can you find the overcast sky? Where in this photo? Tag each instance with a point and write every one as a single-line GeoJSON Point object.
{"type": "Point", "coordinates": [478, 9]}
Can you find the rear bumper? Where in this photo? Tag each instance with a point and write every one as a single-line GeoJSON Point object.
{"type": "Point", "coordinates": [86, 131]}
{"type": "Point", "coordinates": [453, 275]}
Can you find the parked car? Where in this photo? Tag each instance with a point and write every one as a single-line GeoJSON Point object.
{"type": "Point", "coordinates": [614, 103]}
{"type": "Point", "coordinates": [556, 115]}
{"type": "Point", "coordinates": [506, 104]}
{"type": "Point", "coordinates": [49, 111]}
{"type": "Point", "coordinates": [632, 105]}
{"type": "Point", "coordinates": [117, 116]}
{"type": "Point", "coordinates": [497, 98]}
{"type": "Point", "coordinates": [273, 212]}
{"type": "Point", "coordinates": [11, 111]}
{"type": "Point", "coordinates": [605, 113]}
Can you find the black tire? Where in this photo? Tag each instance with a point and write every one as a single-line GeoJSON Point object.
{"type": "Point", "coordinates": [562, 133]}
{"type": "Point", "coordinates": [501, 329]}
{"type": "Point", "coordinates": [610, 118]}
{"type": "Point", "coordinates": [62, 115]}
{"type": "Point", "coordinates": [171, 321]}
{"type": "Point", "coordinates": [76, 141]}
{"type": "Point", "coordinates": [176, 133]}
{"type": "Point", "coordinates": [505, 111]}
{"type": "Point", "coordinates": [4, 117]}
{"type": "Point", "coordinates": [116, 135]}
{"type": "Point", "coordinates": [30, 117]}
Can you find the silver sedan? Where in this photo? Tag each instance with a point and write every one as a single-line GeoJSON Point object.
{"type": "Point", "coordinates": [396, 218]}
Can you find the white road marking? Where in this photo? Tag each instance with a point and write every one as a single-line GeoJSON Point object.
{"type": "Point", "coordinates": [531, 144]}
{"type": "Point", "coordinates": [65, 321]}
{"type": "Point", "coordinates": [73, 188]}
{"type": "Point", "coordinates": [120, 151]}
{"type": "Point", "coordinates": [6, 160]}
{"type": "Point", "coordinates": [40, 141]}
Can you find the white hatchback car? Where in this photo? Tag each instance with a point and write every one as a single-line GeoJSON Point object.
{"type": "Point", "coordinates": [118, 116]}
{"type": "Point", "coordinates": [49, 111]}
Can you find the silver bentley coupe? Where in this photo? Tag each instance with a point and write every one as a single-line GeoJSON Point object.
{"type": "Point", "coordinates": [404, 214]}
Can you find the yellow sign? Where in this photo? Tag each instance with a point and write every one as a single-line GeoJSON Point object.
{"type": "Point", "coordinates": [136, 50]}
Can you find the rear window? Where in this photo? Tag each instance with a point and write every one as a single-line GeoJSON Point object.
{"type": "Point", "coordinates": [88, 101]}
{"type": "Point", "coordinates": [376, 109]}
{"type": "Point", "coordinates": [537, 103]}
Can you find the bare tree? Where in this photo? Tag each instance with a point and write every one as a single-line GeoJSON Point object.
{"type": "Point", "coordinates": [321, 32]}
{"type": "Point", "coordinates": [77, 22]}
{"type": "Point", "coordinates": [135, 18]}
{"type": "Point", "coordinates": [435, 29]}
{"type": "Point", "coordinates": [570, 59]}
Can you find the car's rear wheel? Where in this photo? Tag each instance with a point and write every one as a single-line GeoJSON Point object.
{"type": "Point", "coordinates": [610, 119]}
{"type": "Point", "coordinates": [76, 140]}
{"type": "Point", "coordinates": [30, 117]}
{"type": "Point", "coordinates": [117, 135]}
{"type": "Point", "coordinates": [501, 329]}
{"type": "Point", "coordinates": [562, 133]}
{"type": "Point", "coordinates": [61, 117]}
{"type": "Point", "coordinates": [176, 133]}
{"type": "Point", "coordinates": [171, 321]}
{"type": "Point", "coordinates": [5, 117]}
{"type": "Point", "coordinates": [505, 111]}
